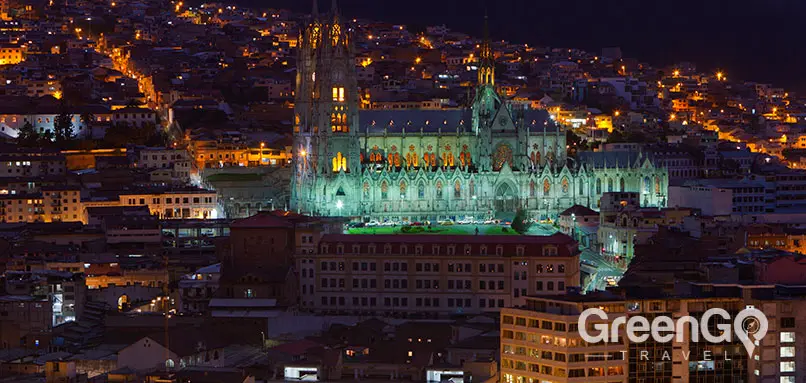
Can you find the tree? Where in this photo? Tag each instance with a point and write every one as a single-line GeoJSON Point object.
{"type": "Point", "coordinates": [63, 125]}
{"type": "Point", "coordinates": [615, 137]}
{"type": "Point", "coordinates": [28, 135]}
{"type": "Point", "coordinates": [521, 222]}
{"type": "Point", "coordinates": [47, 137]}
{"type": "Point", "coordinates": [87, 118]}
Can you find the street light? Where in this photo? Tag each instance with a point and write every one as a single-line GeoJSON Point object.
{"type": "Point", "coordinates": [339, 206]}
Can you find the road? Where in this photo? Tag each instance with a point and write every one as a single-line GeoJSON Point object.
{"type": "Point", "coordinates": [604, 269]}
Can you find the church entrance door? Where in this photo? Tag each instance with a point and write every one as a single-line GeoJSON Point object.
{"type": "Point", "coordinates": [505, 199]}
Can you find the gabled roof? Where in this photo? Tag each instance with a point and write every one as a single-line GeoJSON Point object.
{"type": "Point", "coordinates": [578, 210]}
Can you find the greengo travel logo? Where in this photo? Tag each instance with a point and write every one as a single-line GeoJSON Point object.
{"type": "Point", "coordinates": [749, 326]}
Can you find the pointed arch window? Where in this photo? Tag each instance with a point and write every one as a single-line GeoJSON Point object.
{"type": "Point", "coordinates": [546, 186]}
{"type": "Point", "coordinates": [336, 34]}
{"type": "Point", "coordinates": [403, 187]}
{"type": "Point", "coordinates": [598, 186]}
{"type": "Point", "coordinates": [421, 191]}
{"type": "Point", "coordinates": [384, 190]}
{"type": "Point", "coordinates": [609, 185]}
{"type": "Point", "coordinates": [657, 185]}
{"type": "Point", "coordinates": [472, 189]}
{"type": "Point", "coordinates": [647, 185]}
{"type": "Point", "coordinates": [338, 122]}
{"type": "Point", "coordinates": [340, 192]}
{"type": "Point", "coordinates": [339, 163]}
{"type": "Point", "coordinates": [365, 188]}
{"type": "Point", "coordinates": [564, 185]}
{"type": "Point", "coordinates": [439, 189]}
{"type": "Point", "coordinates": [457, 189]}
{"type": "Point", "coordinates": [581, 187]}
{"type": "Point", "coordinates": [532, 189]}
{"type": "Point", "coordinates": [621, 185]}
{"type": "Point", "coordinates": [412, 160]}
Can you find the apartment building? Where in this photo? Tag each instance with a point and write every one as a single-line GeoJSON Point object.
{"type": "Point", "coordinates": [32, 164]}
{"type": "Point", "coordinates": [410, 275]}
{"type": "Point", "coordinates": [174, 203]}
{"type": "Point", "coordinates": [177, 161]}
{"type": "Point", "coordinates": [541, 342]}
{"type": "Point", "coordinates": [61, 204]}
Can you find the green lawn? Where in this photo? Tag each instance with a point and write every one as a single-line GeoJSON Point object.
{"type": "Point", "coordinates": [441, 230]}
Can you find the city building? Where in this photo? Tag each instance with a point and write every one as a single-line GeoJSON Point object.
{"type": "Point", "coordinates": [542, 341]}
{"type": "Point", "coordinates": [174, 203]}
{"type": "Point", "coordinates": [428, 275]}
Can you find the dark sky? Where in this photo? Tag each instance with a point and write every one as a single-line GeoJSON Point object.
{"type": "Point", "coordinates": [754, 40]}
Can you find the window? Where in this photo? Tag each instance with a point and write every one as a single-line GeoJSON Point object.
{"type": "Point", "coordinates": [788, 366]}
{"type": "Point", "coordinates": [788, 352]}
{"type": "Point", "coordinates": [787, 337]}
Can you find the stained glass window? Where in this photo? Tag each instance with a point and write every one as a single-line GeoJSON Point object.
{"type": "Point", "coordinates": [503, 154]}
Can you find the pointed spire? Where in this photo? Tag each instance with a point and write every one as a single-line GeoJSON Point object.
{"type": "Point", "coordinates": [486, 34]}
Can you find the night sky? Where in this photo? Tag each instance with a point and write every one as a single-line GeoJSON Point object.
{"type": "Point", "coordinates": [758, 40]}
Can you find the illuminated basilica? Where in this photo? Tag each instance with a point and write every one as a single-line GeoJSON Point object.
{"type": "Point", "coordinates": [492, 158]}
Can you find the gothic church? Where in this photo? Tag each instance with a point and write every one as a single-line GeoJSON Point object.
{"type": "Point", "coordinates": [487, 160]}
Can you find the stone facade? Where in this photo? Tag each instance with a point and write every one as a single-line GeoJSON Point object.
{"type": "Point", "coordinates": [494, 157]}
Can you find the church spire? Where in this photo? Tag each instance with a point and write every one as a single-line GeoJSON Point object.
{"type": "Point", "coordinates": [486, 58]}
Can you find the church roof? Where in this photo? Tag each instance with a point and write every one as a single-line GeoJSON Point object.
{"type": "Point", "coordinates": [376, 120]}
{"type": "Point", "coordinates": [598, 160]}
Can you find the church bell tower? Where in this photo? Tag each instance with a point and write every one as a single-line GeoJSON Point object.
{"type": "Point", "coordinates": [486, 103]}
{"type": "Point", "coordinates": [326, 149]}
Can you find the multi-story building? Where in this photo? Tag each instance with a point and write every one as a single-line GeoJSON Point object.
{"type": "Point", "coordinates": [580, 223]}
{"type": "Point", "coordinates": [541, 342]}
{"type": "Point", "coordinates": [177, 161]}
{"type": "Point", "coordinates": [619, 234]}
{"type": "Point", "coordinates": [710, 200]}
{"type": "Point", "coordinates": [21, 208]}
{"type": "Point", "coordinates": [61, 204]}
{"type": "Point", "coordinates": [174, 203]}
{"type": "Point", "coordinates": [65, 291]}
{"type": "Point", "coordinates": [32, 163]}
{"type": "Point", "coordinates": [196, 289]}
{"type": "Point", "coordinates": [134, 117]}
{"type": "Point", "coordinates": [223, 154]}
{"type": "Point", "coordinates": [26, 322]}
{"type": "Point", "coordinates": [434, 275]}
{"type": "Point", "coordinates": [10, 54]}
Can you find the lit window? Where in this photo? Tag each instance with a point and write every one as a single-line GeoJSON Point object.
{"type": "Point", "coordinates": [787, 352]}
{"type": "Point", "coordinates": [338, 94]}
{"type": "Point", "coordinates": [788, 366]}
{"type": "Point", "coordinates": [787, 337]}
